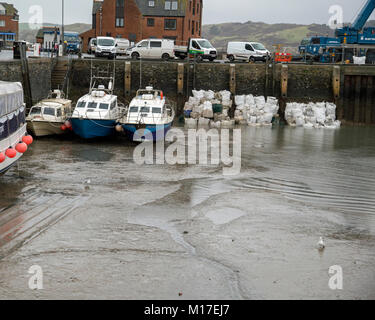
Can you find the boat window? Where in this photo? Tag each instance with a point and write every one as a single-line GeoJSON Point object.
{"type": "Point", "coordinates": [58, 112]}
{"type": "Point", "coordinates": [49, 111]}
{"type": "Point", "coordinates": [133, 109]}
{"type": "Point", "coordinates": [145, 110]}
{"type": "Point", "coordinates": [156, 110]}
{"type": "Point", "coordinates": [91, 105]}
{"type": "Point", "coordinates": [113, 105]}
{"type": "Point", "coordinates": [103, 106]}
{"type": "Point", "coordinates": [81, 105]}
{"type": "Point", "coordinates": [36, 110]}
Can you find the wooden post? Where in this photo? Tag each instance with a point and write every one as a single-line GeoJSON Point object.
{"type": "Point", "coordinates": [232, 79]}
{"type": "Point", "coordinates": [180, 87]}
{"type": "Point", "coordinates": [357, 94]}
{"type": "Point", "coordinates": [336, 82]}
{"type": "Point", "coordinates": [336, 88]}
{"type": "Point", "coordinates": [180, 78]}
{"type": "Point", "coordinates": [128, 78]}
{"type": "Point", "coordinates": [284, 81]}
{"type": "Point", "coordinates": [26, 78]}
{"type": "Point", "coordinates": [369, 92]}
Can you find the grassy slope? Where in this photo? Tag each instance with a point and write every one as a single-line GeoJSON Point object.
{"type": "Point", "coordinates": [290, 35]}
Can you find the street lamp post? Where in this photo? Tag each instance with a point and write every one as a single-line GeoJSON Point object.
{"type": "Point", "coordinates": [62, 29]}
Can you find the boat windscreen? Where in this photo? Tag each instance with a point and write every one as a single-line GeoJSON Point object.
{"type": "Point", "coordinates": [104, 106]}
{"type": "Point", "coordinates": [156, 110]}
{"type": "Point", "coordinates": [133, 109]}
{"type": "Point", "coordinates": [49, 111]}
{"type": "Point", "coordinates": [145, 110]}
{"type": "Point", "coordinates": [91, 105]}
{"type": "Point", "coordinates": [36, 110]}
{"type": "Point", "coordinates": [81, 105]}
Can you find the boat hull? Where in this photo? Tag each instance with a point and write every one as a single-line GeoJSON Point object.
{"type": "Point", "coordinates": [137, 132]}
{"type": "Point", "coordinates": [43, 128]}
{"type": "Point", "coordinates": [89, 128]}
{"type": "Point", "coordinates": [9, 163]}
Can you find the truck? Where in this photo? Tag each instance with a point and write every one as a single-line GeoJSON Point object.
{"type": "Point", "coordinates": [196, 47]}
{"type": "Point", "coordinates": [51, 37]}
{"type": "Point", "coordinates": [73, 42]}
{"type": "Point", "coordinates": [349, 41]}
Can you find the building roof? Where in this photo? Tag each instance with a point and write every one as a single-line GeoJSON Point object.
{"type": "Point", "coordinates": [159, 8]}
{"type": "Point", "coordinates": [10, 10]}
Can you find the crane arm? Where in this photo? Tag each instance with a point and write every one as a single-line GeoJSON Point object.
{"type": "Point", "coordinates": [364, 15]}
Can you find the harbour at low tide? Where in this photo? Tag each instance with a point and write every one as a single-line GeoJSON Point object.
{"type": "Point", "coordinates": [102, 227]}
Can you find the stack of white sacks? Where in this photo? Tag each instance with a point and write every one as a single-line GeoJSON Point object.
{"type": "Point", "coordinates": [312, 115]}
{"type": "Point", "coordinates": [202, 113]}
{"type": "Point", "coordinates": [255, 111]}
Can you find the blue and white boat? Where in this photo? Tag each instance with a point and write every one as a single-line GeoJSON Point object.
{"type": "Point", "coordinates": [12, 124]}
{"type": "Point", "coordinates": [149, 117]}
{"type": "Point", "coordinates": [96, 113]}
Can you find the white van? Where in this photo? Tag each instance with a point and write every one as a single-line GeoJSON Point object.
{"type": "Point", "coordinates": [105, 47]}
{"type": "Point", "coordinates": [92, 46]}
{"type": "Point", "coordinates": [152, 49]}
{"type": "Point", "coordinates": [247, 51]}
{"type": "Point", "coordinates": [121, 46]}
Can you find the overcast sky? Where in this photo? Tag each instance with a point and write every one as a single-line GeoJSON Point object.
{"type": "Point", "coordinates": [215, 11]}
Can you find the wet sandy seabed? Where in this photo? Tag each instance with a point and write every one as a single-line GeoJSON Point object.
{"type": "Point", "coordinates": [153, 232]}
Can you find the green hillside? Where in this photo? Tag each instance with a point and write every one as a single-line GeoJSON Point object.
{"type": "Point", "coordinates": [289, 35]}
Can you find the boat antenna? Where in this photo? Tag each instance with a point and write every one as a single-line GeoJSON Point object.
{"type": "Point", "coordinates": [140, 73]}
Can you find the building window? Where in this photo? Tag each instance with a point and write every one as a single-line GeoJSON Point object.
{"type": "Point", "coordinates": [198, 8]}
{"type": "Point", "coordinates": [150, 22]}
{"type": "Point", "coordinates": [194, 7]}
{"type": "Point", "coordinates": [2, 12]}
{"type": "Point", "coordinates": [151, 3]}
{"type": "Point", "coordinates": [192, 27]}
{"type": "Point", "coordinates": [170, 24]}
{"type": "Point", "coordinates": [190, 5]}
{"type": "Point", "coordinates": [119, 22]}
{"type": "Point", "coordinates": [174, 5]}
{"type": "Point", "coordinates": [2, 23]}
{"type": "Point", "coordinates": [167, 5]}
{"type": "Point", "coordinates": [120, 15]}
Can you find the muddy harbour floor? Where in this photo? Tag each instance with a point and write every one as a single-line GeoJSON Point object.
{"type": "Point", "coordinates": [189, 232]}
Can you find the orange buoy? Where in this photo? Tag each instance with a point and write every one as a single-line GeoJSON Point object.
{"type": "Point", "coordinates": [28, 140]}
{"type": "Point", "coordinates": [2, 157]}
{"type": "Point", "coordinates": [161, 95]}
{"type": "Point", "coordinates": [63, 127]}
{"type": "Point", "coordinates": [11, 153]}
{"type": "Point", "coordinates": [21, 147]}
{"type": "Point", "coordinates": [119, 128]}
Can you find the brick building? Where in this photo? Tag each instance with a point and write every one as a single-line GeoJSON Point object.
{"type": "Point", "coordinates": [8, 24]}
{"type": "Point", "coordinates": [141, 19]}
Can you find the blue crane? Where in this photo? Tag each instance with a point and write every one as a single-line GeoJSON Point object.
{"type": "Point", "coordinates": [349, 41]}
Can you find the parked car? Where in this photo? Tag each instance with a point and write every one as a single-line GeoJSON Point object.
{"type": "Point", "coordinates": [121, 46]}
{"type": "Point", "coordinates": [152, 49]}
{"type": "Point", "coordinates": [247, 51]}
{"type": "Point", "coordinates": [105, 47]}
{"type": "Point", "coordinates": [92, 46]}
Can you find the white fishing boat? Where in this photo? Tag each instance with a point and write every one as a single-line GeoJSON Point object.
{"type": "Point", "coordinates": [49, 116]}
{"type": "Point", "coordinates": [14, 139]}
{"type": "Point", "coordinates": [96, 113]}
{"type": "Point", "coordinates": [149, 117]}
